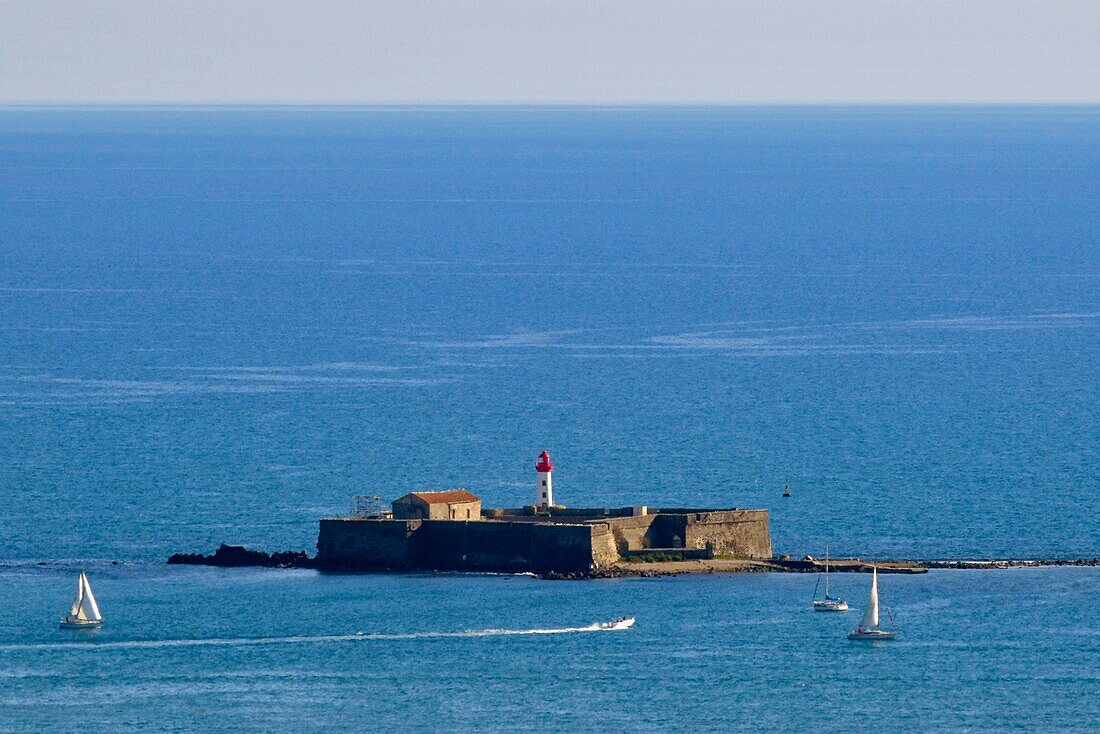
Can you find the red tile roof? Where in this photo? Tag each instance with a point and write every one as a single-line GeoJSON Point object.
{"type": "Point", "coordinates": [447, 497]}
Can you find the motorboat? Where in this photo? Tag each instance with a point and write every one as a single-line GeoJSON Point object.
{"type": "Point", "coordinates": [619, 623]}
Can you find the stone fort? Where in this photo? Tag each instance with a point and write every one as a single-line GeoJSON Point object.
{"type": "Point", "coordinates": [450, 530]}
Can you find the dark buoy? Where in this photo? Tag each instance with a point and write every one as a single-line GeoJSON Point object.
{"type": "Point", "coordinates": [786, 489]}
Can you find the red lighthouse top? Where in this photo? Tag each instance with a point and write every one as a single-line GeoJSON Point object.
{"type": "Point", "coordinates": [544, 462]}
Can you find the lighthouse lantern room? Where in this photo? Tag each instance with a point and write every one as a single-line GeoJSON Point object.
{"type": "Point", "coordinates": [544, 493]}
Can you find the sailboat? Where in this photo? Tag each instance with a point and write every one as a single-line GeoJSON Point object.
{"type": "Point", "coordinates": [829, 603]}
{"type": "Point", "coordinates": [85, 612]}
{"type": "Point", "coordinates": [868, 628]}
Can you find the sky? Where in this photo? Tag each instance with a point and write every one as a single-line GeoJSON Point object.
{"type": "Point", "coordinates": [564, 52]}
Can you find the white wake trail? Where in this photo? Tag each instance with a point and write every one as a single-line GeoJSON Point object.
{"type": "Point", "coordinates": [291, 640]}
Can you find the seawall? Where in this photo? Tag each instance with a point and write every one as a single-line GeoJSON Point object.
{"type": "Point", "coordinates": [463, 545]}
{"type": "Point", "coordinates": [563, 545]}
{"type": "Point", "coordinates": [734, 533]}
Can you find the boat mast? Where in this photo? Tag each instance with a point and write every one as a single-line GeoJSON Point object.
{"type": "Point", "coordinates": [74, 612]}
{"type": "Point", "coordinates": [870, 616]}
{"type": "Point", "coordinates": [80, 613]}
{"type": "Point", "coordinates": [826, 572]}
{"type": "Point", "coordinates": [88, 607]}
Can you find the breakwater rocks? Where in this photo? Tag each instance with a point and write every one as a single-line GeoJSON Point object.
{"type": "Point", "coordinates": [1012, 563]}
{"type": "Point", "coordinates": [651, 569]}
{"type": "Point", "coordinates": [658, 569]}
{"type": "Point", "coordinates": [235, 556]}
{"type": "Point", "coordinates": [846, 565]}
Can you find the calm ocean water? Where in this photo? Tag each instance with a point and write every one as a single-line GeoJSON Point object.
{"type": "Point", "coordinates": [221, 325]}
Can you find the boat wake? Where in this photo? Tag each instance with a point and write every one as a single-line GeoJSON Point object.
{"type": "Point", "coordinates": [298, 639]}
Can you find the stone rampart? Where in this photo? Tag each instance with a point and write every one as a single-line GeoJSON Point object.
{"type": "Point", "coordinates": [455, 545]}
{"type": "Point", "coordinates": [540, 547]}
{"type": "Point", "coordinates": [649, 531]}
{"type": "Point", "coordinates": [353, 543]}
{"type": "Point", "coordinates": [505, 546]}
{"type": "Point", "coordinates": [735, 533]}
{"type": "Point", "coordinates": [605, 552]}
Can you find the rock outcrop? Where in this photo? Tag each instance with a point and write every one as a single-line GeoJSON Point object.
{"type": "Point", "coordinates": [231, 556]}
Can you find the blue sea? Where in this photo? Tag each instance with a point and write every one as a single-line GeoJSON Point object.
{"type": "Point", "coordinates": [219, 325]}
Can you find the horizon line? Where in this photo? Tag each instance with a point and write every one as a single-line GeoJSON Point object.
{"type": "Point", "coordinates": [610, 106]}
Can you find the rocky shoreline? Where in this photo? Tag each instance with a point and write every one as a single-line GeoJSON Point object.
{"type": "Point", "coordinates": [1012, 563]}
{"type": "Point", "coordinates": [236, 556]}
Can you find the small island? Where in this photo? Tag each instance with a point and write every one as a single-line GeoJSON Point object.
{"type": "Point", "coordinates": [450, 530]}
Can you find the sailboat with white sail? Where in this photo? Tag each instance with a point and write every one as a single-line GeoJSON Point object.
{"type": "Point", "coordinates": [869, 628]}
{"type": "Point", "coordinates": [829, 603]}
{"type": "Point", "coordinates": [85, 612]}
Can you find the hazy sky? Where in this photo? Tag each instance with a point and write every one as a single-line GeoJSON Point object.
{"type": "Point", "coordinates": [572, 51]}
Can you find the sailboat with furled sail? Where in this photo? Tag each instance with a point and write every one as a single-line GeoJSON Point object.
{"type": "Point", "coordinates": [869, 628]}
{"type": "Point", "coordinates": [85, 612]}
{"type": "Point", "coordinates": [829, 603]}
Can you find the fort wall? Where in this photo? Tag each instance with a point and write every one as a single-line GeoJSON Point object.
{"type": "Point", "coordinates": [540, 546]}
{"type": "Point", "coordinates": [648, 531]}
{"type": "Point", "coordinates": [362, 544]}
{"type": "Point", "coordinates": [734, 533]}
{"type": "Point", "coordinates": [485, 545]}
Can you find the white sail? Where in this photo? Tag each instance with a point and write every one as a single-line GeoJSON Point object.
{"type": "Point", "coordinates": [89, 610]}
{"type": "Point", "coordinates": [870, 616]}
{"type": "Point", "coordinates": [79, 596]}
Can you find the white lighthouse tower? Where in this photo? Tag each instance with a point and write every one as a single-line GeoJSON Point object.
{"type": "Point", "coordinates": [544, 494]}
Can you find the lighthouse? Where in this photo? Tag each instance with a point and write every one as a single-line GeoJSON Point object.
{"type": "Point", "coordinates": [544, 493]}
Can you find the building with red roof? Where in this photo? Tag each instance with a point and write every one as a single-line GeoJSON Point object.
{"type": "Point", "coordinates": [450, 504]}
